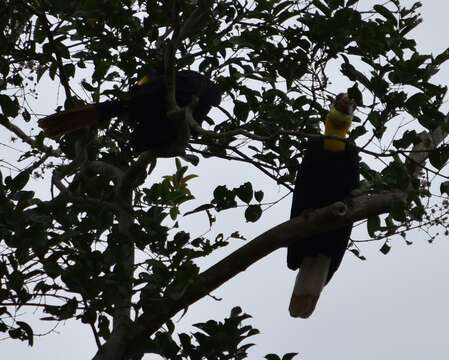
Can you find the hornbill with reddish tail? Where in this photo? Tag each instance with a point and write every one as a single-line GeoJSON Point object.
{"type": "Point", "coordinates": [328, 173]}
{"type": "Point", "coordinates": [146, 112]}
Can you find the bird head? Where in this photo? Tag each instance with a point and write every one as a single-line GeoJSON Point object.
{"type": "Point", "coordinates": [338, 121]}
{"type": "Point", "coordinates": [340, 114]}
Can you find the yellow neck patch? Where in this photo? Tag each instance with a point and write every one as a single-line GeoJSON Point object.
{"type": "Point", "coordinates": [337, 124]}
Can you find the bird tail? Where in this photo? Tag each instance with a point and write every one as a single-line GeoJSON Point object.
{"type": "Point", "coordinates": [309, 283]}
{"type": "Point", "coordinates": [67, 121]}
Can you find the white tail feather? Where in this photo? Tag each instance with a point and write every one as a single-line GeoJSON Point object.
{"type": "Point", "coordinates": [309, 283]}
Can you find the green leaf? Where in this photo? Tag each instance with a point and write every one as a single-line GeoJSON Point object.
{"type": "Point", "coordinates": [385, 249]}
{"type": "Point", "coordinates": [9, 106]}
{"type": "Point", "coordinates": [335, 4]}
{"type": "Point", "coordinates": [88, 86]}
{"type": "Point", "coordinates": [28, 331]}
{"type": "Point", "coordinates": [258, 195]}
{"type": "Point", "coordinates": [355, 93]}
{"type": "Point", "coordinates": [224, 198]}
{"type": "Point", "coordinates": [245, 192]}
{"type": "Point", "coordinates": [18, 182]}
{"type": "Point", "coordinates": [253, 213]}
{"type": "Point", "coordinates": [200, 208]}
{"type": "Point", "coordinates": [373, 225]}
{"type": "Point", "coordinates": [408, 138]}
{"type": "Point", "coordinates": [236, 235]}
{"type": "Point", "coordinates": [387, 14]}
{"type": "Point", "coordinates": [174, 212]}
{"type": "Point", "coordinates": [26, 115]}
{"type": "Point", "coordinates": [323, 7]}
{"type": "Point", "coordinates": [444, 188]}
{"type": "Point", "coordinates": [351, 2]}
{"type": "Point", "coordinates": [441, 58]}
{"type": "Point", "coordinates": [439, 157]}
{"type": "Point", "coordinates": [357, 132]}
{"type": "Point", "coordinates": [241, 110]}
{"type": "Point", "coordinates": [272, 357]}
{"type": "Point", "coordinates": [289, 356]}
{"type": "Point", "coordinates": [356, 252]}
{"type": "Point", "coordinates": [23, 196]}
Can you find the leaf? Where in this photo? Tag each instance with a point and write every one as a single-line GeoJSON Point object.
{"type": "Point", "coordinates": [88, 86]}
{"type": "Point", "coordinates": [373, 225]}
{"type": "Point", "coordinates": [253, 213]}
{"type": "Point", "coordinates": [189, 177]}
{"type": "Point", "coordinates": [28, 331]}
{"type": "Point", "coordinates": [289, 356]}
{"type": "Point", "coordinates": [23, 196]}
{"type": "Point", "coordinates": [444, 188]}
{"type": "Point", "coordinates": [200, 208]}
{"type": "Point", "coordinates": [241, 110]}
{"type": "Point", "coordinates": [19, 182]}
{"type": "Point", "coordinates": [356, 252]}
{"type": "Point", "coordinates": [387, 14]}
{"type": "Point", "coordinates": [245, 192]}
{"type": "Point", "coordinates": [258, 195]}
{"type": "Point", "coordinates": [335, 4]}
{"type": "Point", "coordinates": [355, 93]}
{"type": "Point", "coordinates": [174, 212]}
{"type": "Point", "coordinates": [439, 157]}
{"type": "Point", "coordinates": [441, 58]}
{"type": "Point", "coordinates": [193, 159]}
{"type": "Point", "coordinates": [224, 198]}
{"type": "Point", "coordinates": [319, 5]}
{"type": "Point", "coordinates": [4, 310]}
{"type": "Point", "coordinates": [9, 107]}
{"type": "Point", "coordinates": [385, 249]}
{"type": "Point", "coordinates": [236, 235]}
{"type": "Point", "coordinates": [26, 115]}
{"type": "Point", "coordinates": [357, 132]}
{"type": "Point", "coordinates": [272, 357]}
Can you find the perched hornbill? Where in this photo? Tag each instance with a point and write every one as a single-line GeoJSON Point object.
{"type": "Point", "coordinates": [146, 112]}
{"type": "Point", "coordinates": [328, 173]}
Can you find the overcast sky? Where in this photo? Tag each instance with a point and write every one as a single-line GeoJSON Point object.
{"type": "Point", "coordinates": [388, 307]}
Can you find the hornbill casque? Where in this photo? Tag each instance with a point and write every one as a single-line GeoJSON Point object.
{"type": "Point", "coordinates": [328, 173]}
{"type": "Point", "coordinates": [146, 112]}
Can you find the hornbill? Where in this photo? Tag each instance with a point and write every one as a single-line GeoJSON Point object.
{"type": "Point", "coordinates": [146, 112]}
{"type": "Point", "coordinates": [329, 171]}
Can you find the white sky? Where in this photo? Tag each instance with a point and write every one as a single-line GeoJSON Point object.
{"type": "Point", "coordinates": [388, 307]}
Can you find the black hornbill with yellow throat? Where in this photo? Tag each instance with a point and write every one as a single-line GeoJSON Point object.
{"type": "Point", "coordinates": [328, 173]}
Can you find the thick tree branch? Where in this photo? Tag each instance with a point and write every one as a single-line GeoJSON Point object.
{"type": "Point", "coordinates": [315, 222]}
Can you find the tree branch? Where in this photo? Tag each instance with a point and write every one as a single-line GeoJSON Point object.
{"type": "Point", "coordinates": [127, 180]}
{"type": "Point", "coordinates": [297, 229]}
